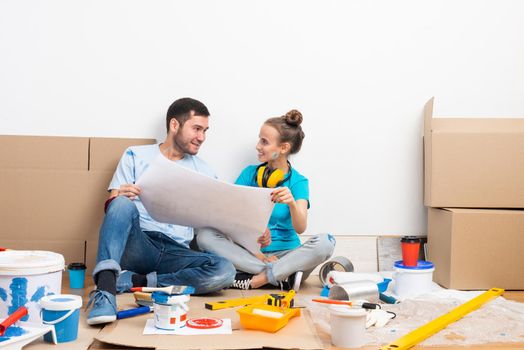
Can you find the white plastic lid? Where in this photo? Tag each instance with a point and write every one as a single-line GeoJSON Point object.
{"type": "Point", "coordinates": [30, 262]}
{"type": "Point", "coordinates": [61, 302]}
{"type": "Point", "coordinates": [347, 311]}
{"type": "Point", "coordinates": [169, 299]}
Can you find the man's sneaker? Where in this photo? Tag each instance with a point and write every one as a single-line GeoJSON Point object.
{"type": "Point", "coordinates": [242, 281]}
{"type": "Point", "coordinates": [124, 282]}
{"type": "Point", "coordinates": [104, 307]}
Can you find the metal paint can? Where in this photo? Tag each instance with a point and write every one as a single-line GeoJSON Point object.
{"type": "Point", "coordinates": [170, 310]}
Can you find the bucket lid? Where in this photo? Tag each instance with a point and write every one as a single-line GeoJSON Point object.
{"type": "Point", "coordinates": [61, 302]}
{"type": "Point", "coordinates": [346, 311]}
{"type": "Point", "coordinates": [164, 298]}
{"type": "Point", "coordinates": [421, 265]}
{"type": "Point", "coordinates": [410, 239]}
{"type": "Point", "coordinates": [30, 262]}
{"type": "Point", "coordinates": [76, 266]}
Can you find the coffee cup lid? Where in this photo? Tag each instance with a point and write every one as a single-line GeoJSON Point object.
{"type": "Point", "coordinates": [410, 239]}
{"type": "Point", "coordinates": [76, 266]}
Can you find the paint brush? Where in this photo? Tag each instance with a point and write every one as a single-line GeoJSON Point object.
{"type": "Point", "coordinates": [15, 316]}
{"type": "Point", "coordinates": [348, 303]}
{"type": "Point", "coordinates": [331, 301]}
{"type": "Point", "coordinates": [143, 299]}
{"type": "Point", "coordinates": [167, 290]}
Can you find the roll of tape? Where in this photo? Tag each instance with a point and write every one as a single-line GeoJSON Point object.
{"type": "Point", "coordinates": [338, 263]}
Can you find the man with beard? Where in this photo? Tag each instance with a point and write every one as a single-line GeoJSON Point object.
{"type": "Point", "coordinates": [133, 249]}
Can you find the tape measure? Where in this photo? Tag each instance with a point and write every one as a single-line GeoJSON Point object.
{"type": "Point", "coordinates": [432, 327]}
{"type": "Point", "coordinates": [281, 299]}
{"type": "Point", "coordinates": [338, 263]}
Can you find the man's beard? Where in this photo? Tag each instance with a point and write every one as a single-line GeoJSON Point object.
{"type": "Point", "coordinates": [182, 146]}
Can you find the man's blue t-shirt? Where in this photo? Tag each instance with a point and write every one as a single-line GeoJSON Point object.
{"type": "Point", "coordinates": [132, 165]}
{"type": "Point", "coordinates": [283, 235]}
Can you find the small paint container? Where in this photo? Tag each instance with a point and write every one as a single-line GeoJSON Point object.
{"type": "Point", "coordinates": [348, 326]}
{"type": "Point", "coordinates": [170, 310]}
{"type": "Point", "coordinates": [63, 312]}
{"type": "Point", "coordinates": [413, 281]}
{"type": "Point", "coordinates": [77, 274]}
{"type": "Point", "coordinates": [410, 246]}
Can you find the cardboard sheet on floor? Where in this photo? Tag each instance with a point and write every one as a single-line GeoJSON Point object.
{"type": "Point", "coordinates": [300, 333]}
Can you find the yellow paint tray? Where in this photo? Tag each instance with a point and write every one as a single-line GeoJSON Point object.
{"type": "Point", "coordinates": [266, 317]}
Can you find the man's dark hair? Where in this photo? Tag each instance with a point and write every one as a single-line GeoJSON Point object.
{"type": "Point", "coordinates": [183, 109]}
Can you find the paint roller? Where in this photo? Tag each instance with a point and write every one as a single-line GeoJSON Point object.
{"type": "Point", "coordinates": [340, 277]}
{"type": "Point", "coordinates": [15, 316]}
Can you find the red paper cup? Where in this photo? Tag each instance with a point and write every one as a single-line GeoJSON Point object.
{"type": "Point", "coordinates": [410, 247]}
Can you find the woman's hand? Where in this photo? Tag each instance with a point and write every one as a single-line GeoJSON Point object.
{"type": "Point", "coordinates": [130, 191]}
{"type": "Point", "coordinates": [265, 239]}
{"type": "Point", "coordinates": [282, 195]}
{"type": "Point", "coordinates": [266, 259]}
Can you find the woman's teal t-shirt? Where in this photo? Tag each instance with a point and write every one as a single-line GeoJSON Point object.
{"type": "Point", "coordinates": [283, 235]}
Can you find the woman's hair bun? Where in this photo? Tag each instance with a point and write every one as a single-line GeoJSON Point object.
{"type": "Point", "coordinates": [293, 118]}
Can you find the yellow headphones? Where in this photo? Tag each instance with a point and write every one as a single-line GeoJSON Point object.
{"type": "Point", "coordinates": [271, 178]}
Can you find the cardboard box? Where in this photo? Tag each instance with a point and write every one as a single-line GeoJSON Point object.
{"type": "Point", "coordinates": [43, 152]}
{"type": "Point", "coordinates": [473, 162]}
{"type": "Point", "coordinates": [54, 189]}
{"type": "Point", "coordinates": [477, 248]}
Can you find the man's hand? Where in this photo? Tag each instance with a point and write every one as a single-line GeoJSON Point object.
{"type": "Point", "coordinates": [130, 191]}
{"type": "Point", "coordinates": [282, 195]}
{"type": "Point", "coordinates": [265, 239]}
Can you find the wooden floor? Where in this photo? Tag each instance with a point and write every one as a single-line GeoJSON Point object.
{"type": "Point", "coordinates": [510, 295]}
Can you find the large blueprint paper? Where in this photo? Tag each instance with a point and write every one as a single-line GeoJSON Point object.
{"type": "Point", "coordinates": [177, 195]}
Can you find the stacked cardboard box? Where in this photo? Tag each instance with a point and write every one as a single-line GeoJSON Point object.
{"type": "Point", "coordinates": [53, 191]}
{"type": "Point", "coordinates": [474, 188]}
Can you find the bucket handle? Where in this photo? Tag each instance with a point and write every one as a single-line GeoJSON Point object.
{"type": "Point", "coordinates": [58, 320]}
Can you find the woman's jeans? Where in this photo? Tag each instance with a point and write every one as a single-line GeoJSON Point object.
{"type": "Point", "coordinates": [305, 258]}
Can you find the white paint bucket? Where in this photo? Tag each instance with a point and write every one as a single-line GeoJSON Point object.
{"type": "Point", "coordinates": [170, 310]}
{"type": "Point", "coordinates": [348, 326]}
{"type": "Point", "coordinates": [413, 281]}
{"type": "Point", "coordinates": [25, 277]}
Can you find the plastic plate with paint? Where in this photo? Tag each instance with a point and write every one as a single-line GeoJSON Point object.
{"type": "Point", "coordinates": [23, 333]}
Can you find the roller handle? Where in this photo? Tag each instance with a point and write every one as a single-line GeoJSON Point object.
{"type": "Point", "coordinates": [388, 299]}
{"type": "Point", "coordinates": [133, 312]}
{"type": "Point", "coordinates": [15, 316]}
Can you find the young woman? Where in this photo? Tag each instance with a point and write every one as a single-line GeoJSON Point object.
{"type": "Point", "coordinates": [285, 261]}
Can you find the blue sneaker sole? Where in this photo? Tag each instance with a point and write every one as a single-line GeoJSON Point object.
{"type": "Point", "coordinates": [101, 319]}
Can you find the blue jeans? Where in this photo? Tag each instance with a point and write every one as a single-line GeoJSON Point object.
{"type": "Point", "coordinates": [123, 245]}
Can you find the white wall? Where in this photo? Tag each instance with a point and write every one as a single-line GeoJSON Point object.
{"type": "Point", "coordinates": [360, 71]}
